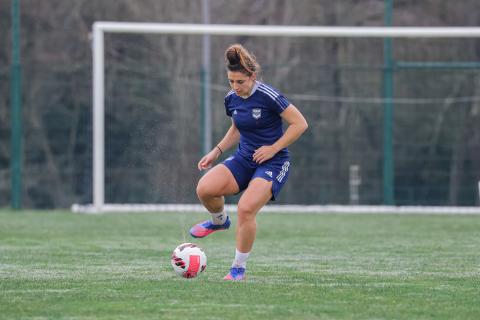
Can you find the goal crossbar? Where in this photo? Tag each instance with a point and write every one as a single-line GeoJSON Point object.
{"type": "Point", "coordinates": [287, 31]}
{"type": "Point", "coordinates": [102, 27]}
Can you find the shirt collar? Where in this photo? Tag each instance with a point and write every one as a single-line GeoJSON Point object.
{"type": "Point", "coordinates": [255, 87]}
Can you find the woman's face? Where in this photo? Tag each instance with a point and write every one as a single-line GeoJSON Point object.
{"type": "Point", "coordinates": [241, 83]}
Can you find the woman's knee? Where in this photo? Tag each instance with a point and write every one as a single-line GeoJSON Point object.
{"type": "Point", "coordinates": [202, 190]}
{"type": "Point", "coordinates": [246, 210]}
{"type": "Point", "coordinates": [206, 190]}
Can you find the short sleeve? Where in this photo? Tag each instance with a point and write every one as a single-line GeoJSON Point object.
{"type": "Point", "coordinates": [275, 99]}
{"type": "Point", "coordinates": [281, 103]}
{"type": "Point", "coordinates": [227, 100]}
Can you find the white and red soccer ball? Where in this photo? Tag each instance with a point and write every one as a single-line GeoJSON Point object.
{"type": "Point", "coordinates": [188, 260]}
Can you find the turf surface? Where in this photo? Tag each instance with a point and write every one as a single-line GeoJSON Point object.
{"type": "Point", "coordinates": [59, 265]}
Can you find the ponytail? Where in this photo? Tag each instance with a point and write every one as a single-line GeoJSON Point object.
{"type": "Point", "coordinates": [238, 59]}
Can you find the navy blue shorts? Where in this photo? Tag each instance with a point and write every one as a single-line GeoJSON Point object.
{"type": "Point", "coordinates": [275, 170]}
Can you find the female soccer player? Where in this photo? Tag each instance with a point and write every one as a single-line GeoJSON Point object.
{"type": "Point", "coordinates": [260, 165]}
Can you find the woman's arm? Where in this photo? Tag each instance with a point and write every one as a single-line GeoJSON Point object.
{"type": "Point", "coordinates": [231, 138]}
{"type": "Point", "coordinates": [296, 126]}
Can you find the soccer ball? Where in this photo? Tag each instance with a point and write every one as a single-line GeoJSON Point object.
{"type": "Point", "coordinates": [188, 260]}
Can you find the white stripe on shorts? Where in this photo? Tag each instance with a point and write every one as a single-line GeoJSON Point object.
{"type": "Point", "coordinates": [282, 173]}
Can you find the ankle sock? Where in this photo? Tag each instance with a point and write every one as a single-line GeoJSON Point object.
{"type": "Point", "coordinates": [219, 218]}
{"type": "Point", "coordinates": [240, 260]}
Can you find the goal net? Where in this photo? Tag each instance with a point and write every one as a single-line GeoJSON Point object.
{"type": "Point", "coordinates": [390, 121]}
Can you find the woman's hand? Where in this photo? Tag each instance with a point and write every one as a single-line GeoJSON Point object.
{"type": "Point", "coordinates": [264, 153]}
{"type": "Point", "coordinates": [231, 137]}
{"type": "Point", "coordinates": [207, 161]}
{"type": "Point", "coordinates": [296, 126]}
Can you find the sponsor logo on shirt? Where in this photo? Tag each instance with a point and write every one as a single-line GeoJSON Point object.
{"type": "Point", "coordinates": [256, 113]}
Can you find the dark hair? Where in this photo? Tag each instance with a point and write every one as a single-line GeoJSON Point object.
{"type": "Point", "coordinates": [238, 59]}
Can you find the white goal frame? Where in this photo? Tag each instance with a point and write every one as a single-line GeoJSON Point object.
{"type": "Point", "coordinates": [100, 28]}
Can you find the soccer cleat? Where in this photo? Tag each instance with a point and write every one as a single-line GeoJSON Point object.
{"type": "Point", "coordinates": [203, 229]}
{"type": "Point", "coordinates": [235, 274]}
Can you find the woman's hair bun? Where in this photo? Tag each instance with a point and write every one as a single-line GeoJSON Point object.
{"type": "Point", "coordinates": [238, 59]}
{"type": "Point", "coordinates": [232, 56]}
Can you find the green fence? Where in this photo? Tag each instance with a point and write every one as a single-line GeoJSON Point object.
{"type": "Point", "coordinates": [153, 121]}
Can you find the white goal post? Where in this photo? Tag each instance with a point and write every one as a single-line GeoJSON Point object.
{"type": "Point", "coordinates": [100, 28]}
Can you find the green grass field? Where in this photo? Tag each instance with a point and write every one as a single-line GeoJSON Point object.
{"type": "Point", "coordinates": [59, 265]}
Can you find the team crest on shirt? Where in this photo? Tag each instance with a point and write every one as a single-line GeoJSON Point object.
{"type": "Point", "coordinates": [256, 113]}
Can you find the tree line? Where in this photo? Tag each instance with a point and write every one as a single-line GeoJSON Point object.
{"type": "Point", "coordinates": [154, 99]}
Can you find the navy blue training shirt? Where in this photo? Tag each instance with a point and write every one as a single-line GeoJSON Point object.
{"type": "Point", "coordinates": [257, 117]}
